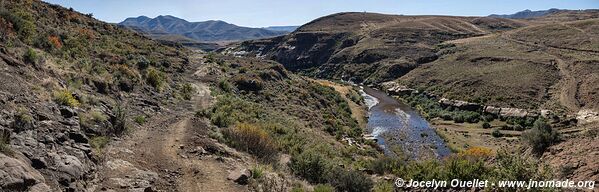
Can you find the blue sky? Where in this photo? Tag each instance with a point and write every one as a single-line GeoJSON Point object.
{"type": "Point", "coordinates": [262, 13]}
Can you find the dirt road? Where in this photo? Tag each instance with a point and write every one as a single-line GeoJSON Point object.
{"type": "Point", "coordinates": [168, 153]}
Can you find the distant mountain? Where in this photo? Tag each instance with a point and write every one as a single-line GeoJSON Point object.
{"type": "Point", "coordinates": [207, 31]}
{"type": "Point", "coordinates": [282, 28]}
{"type": "Point", "coordinates": [526, 14]}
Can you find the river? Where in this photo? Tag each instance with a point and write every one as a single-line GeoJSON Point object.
{"type": "Point", "coordinates": [396, 125]}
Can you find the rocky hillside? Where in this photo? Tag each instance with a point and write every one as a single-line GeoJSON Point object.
{"type": "Point", "coordinates": [520, 68]}
{"type": "Point", "coordinates": [368, 47]}
{"type": "Point", "coordinates": [69, 83]}
{"type": "Point", "coordinates": [207, 31]}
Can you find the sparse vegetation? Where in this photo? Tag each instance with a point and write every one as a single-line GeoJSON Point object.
{"type": "Point", "coordinates": [140, 119]}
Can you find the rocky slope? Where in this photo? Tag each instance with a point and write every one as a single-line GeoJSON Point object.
{"type": "Point", "coordinates": [368, 47]}
{"type": "Point", "coordinates": [69, 83]}
{"type": "Point", "coordinates": [207, 31]}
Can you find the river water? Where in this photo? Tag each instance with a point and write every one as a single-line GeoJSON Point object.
{"type": "Point", "coordinates": [396, 125]}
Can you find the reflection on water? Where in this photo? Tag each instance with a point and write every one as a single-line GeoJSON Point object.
{"type": "Point", "coordinates": [395, 124]}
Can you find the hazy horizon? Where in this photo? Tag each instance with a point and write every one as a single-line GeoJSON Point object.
{"type": "Point", "coordinates": [262, 13]}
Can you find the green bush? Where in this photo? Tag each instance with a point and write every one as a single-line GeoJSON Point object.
{"type": "Point", "coordinates": [23, 120]}
{"type": "Point", "coordinates": [486, 125]}
{"type": "Point", "coordinates": [465, 169]}
{"type": "Point", "coordinates": [140, 119]}
{"type": "Point", "coordinates": [496, 133]}
{"type": "Point", "coordinates": [311, 166]}
{"type": "Point", "coordinates": [119, 121]}
{"type": "Point", "coordinates": [515, 167]}
{"type": "Point", "coordinates": [30, 56]}
{"type": "Point", "coordinates": [99, 142]}
{"type": "Point", "coordinates": [257, 172]}
{"type": "Point", "coordinates": [187, 91]}
{"type": "Point", "coordinates": [350, 181]}
{"type": "Point", "coordinates": [385, 165]}
{"type": "Point", "coordinates": [459, 118]}
{"type": "Point", "coordinates": [225, 86]}
{"type": "Point", "coordinates": [5, 142]}
{"type": "Point", "coordinates": [229, 110]}
{"type": "Point", "coordinates": [91, 118]}
{"type": "Point", "coordinates": [155, 78]}
{"type": "Point", "coordinates": [541, 136]}
{"type": "Point", "coordinates": [384, 186]}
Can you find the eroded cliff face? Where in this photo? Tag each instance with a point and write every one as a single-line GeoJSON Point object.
{"type": "Point", "coordinates": [367, 47]}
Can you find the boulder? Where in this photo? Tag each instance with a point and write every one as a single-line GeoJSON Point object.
{"type": "Point", "coordinates": [463, 105]}
{"type": "Point", "coordinates": [240, 176]}
{"type": "Point", "coordinates": [15, 175]}
{"type": "Point", "coordinates": [67, 112]}
{"type": "Point", "coordinates": [513, 112]}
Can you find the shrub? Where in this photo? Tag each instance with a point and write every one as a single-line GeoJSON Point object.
{"type": "Point", "coordinates": [252, 139]}
{"type": "Point", "coordinates": [66, 98]}
{"type": "Point", "coordinates": [385, 165]}
{"type": "Point", "coordinates": [513, 167]}
{"type": "Point", "coordinates": [187, 91]}
{"type": "Point", "coordinates": [143, 63]}
{"type": "Point", "coordinates": [99, 142]}
{"type": "Point", "coordinates": [5, 142]}
{"type": "Point", "coordinates": [383, 186]}
{"type": "Point", "coordinates": [225, 86]}
{"type": "Point", "coordinates": [22, 21]}
{"type": "Point", "coordinates": [155, 78]}
{"type": "Point", "coordinates": [248, 83]}
{"type": "Point", "coordinates": [350, 181]}
{"type": "Point", "coordinates": [140, 119]}
{"type": "Point", "coordinates": [496, 133]}
{"type": "Point", "coordinates": [87, 120]}
{"type": "Point", "coordinates": [486, 125]}
{"type": "Point", "coordinates": [464, 168]}
{"type": "Point", "coordinates": [310, 165]}
{"type": "Point", "coordinates": [257, 172]}
{"type": "Point", "coordinates": [23, 120]}
{"type": "Point", "coordinates": [30, 56]}
{"type": "Point", "coordinates": [541, 136]}
{"type": "Point", "coordinates": [459, 118]}
{"type": "Point", "coordinates": [55, 41]}
{"type": "Point", "coordinates": [119, 121]}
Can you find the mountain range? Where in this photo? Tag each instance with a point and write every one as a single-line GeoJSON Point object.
{"type": "Point", "coordinates": [526, 14]}
{"type": "Point", "coordinates": [165, 27]}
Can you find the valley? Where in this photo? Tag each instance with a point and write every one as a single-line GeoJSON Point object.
{"type": "Point", "coordinates": [347, 102]}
